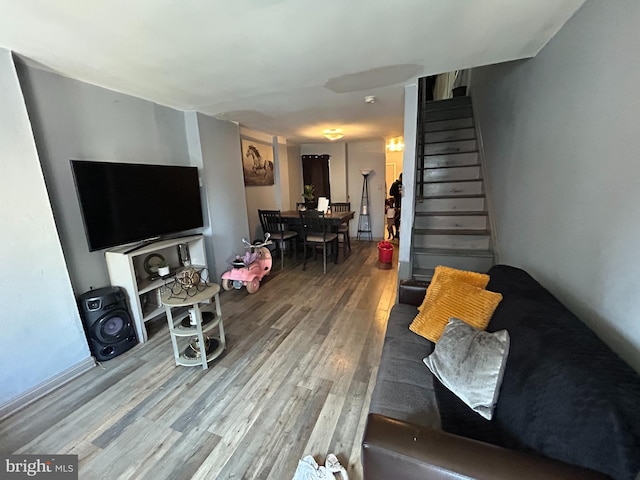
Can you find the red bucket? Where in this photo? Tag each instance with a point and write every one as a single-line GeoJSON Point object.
{"type": "Point", "coordinates": [385, 252]}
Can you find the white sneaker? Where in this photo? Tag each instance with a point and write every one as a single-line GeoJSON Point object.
{"type": "Point", "coordinates": [308, 469]}
{"type": "Point", "coordinates": [333, 466]}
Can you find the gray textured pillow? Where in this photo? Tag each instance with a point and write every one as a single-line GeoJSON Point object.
{"type": "Point", "coordinates": [470, 363]}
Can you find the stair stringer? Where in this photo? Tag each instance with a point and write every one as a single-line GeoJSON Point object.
{"type": "Point", "coordinates": [487, 187]}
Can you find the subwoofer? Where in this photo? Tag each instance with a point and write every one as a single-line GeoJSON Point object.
{"type": "Point", "coordinates": [107, 322]}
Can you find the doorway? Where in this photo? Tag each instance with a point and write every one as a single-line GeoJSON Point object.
{"type": "Point", "coordinates": [390, 176]}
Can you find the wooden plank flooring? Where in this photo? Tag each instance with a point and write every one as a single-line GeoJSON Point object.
{"type": "Point", "coordinates": [296, 379]}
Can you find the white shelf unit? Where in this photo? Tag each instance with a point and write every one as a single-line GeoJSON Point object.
{"type": "Point", "coordinates": [126, 270]}
{"type": "Point", "coordinates": [200, 302]}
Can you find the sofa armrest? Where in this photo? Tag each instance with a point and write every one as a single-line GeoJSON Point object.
{"type": "Point", "coordinates": [396, 449]}
{"type": "Point", "coordinates": [412, 292]}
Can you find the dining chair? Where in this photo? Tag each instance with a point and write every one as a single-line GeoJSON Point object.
{"type": "Point", "coordinates": [317, 232]}
{"type": "Point", "coordinates": [343, 229]}
{"type": "Point", "coordinates": [272, 222]}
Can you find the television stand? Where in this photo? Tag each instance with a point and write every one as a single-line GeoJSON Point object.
{"type": "Point", "coordinates": [142, 244]}
{"type": "Point", "coordinates": [126, 268]}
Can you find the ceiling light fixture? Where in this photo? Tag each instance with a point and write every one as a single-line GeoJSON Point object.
{"type": "Point", "coordinates": [333, 134]}
{"type": "Point", "coordinates": [395, 145]}
{"type": "Point", "coordinates": [370, 99]}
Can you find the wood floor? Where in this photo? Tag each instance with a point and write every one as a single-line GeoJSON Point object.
{"type": "Point", "coordinates": [296, 379]}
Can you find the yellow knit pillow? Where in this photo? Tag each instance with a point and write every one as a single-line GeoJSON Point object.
{"type": "Point", "coordinates": [473, 305]}
{"type": "Point", "coordinates": [443, 274]}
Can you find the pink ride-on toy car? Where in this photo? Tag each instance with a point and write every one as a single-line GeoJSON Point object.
{"type": "Point", "coordinates": [249, 269]}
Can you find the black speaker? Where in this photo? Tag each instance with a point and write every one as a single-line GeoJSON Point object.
{"type": "Point", "coordinates": [107, 322]}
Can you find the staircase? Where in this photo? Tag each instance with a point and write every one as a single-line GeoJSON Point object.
{"type": "Point", "coordinates": [451, 225]}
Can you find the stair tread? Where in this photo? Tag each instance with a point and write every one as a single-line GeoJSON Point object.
{"type": "Point", "coordinates": [452, 166]}
{"type": "Point", "coordinates": [444, 152]}
{"type": "Point", "coordinates": [423, 273]}
{"type": "Point", "coordinates": [450, 231]}
{"type": "Point", "coordinates": [452, 213]}
{"type": "Point", "coordinates": [452, 154]}
{"type": "Point", "coordinates": [448, 153]}
{"type": "Point", "coordinates": [448, 197]}
{"type": "Point", "coordinates": [453, 106]}
{"type": "Point", "coordinates": [429, 144]}
{"type": "Point", "coordinates": [443, 142]}
{"type": "Point", "coordinates": [454, 129]}
{"type": "Point", "coordinates": [451, 181]}
{"type": "Point", "coordinates": [424, 131]}
{"type": "Point", "coordinates": [424, 270]}
{"type": "Point", "coordinates": [440, 105]}
{"type": "Point", "coordinates": [454, 252]}
{"type": "Point", "coordinates": [420, 142]}
{"type": "Point", "coordinates": [443, 119]}
{"type": "Point", "coordinates": [447, 103]}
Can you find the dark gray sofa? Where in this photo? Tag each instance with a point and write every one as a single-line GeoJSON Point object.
{"type": "Point", "coordinates": [404, 386]}
{"type": "Point", "coordinates": [569, 408]}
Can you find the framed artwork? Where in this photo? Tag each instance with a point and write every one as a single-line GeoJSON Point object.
{"type": "Point", "coordinates": [257, 162]}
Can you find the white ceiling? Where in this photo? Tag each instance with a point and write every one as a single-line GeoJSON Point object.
{"type": "Point", "coordinates": [286, 67]}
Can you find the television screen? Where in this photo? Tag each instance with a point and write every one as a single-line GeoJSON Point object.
{"type": "Point", "coordinates": [129, 202]}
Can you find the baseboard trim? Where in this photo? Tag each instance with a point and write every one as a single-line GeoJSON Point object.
{"type": "Point", "coordinates": [39, 391]}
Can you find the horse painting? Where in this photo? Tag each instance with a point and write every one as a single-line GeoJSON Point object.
{"type": "Point", "coordinates": [258, 162]}
{"type": "Point", "coordinates": [258, 170]}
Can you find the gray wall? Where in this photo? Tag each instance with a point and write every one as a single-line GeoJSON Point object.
{"type": "Point", "coordinates": [42, 334]}
{"type": "Point", "coordinates": [560, 135]}
{"type": "Point", "coordinates": [75, 120]}
{"type": "Point", "coordinates": [295, 176]}
{"type": "Point", "coordinates": [282, 173]}
{"type": "Point", "coordinates": [367, 155]}
{"type": "Point", "coordinates": [405, 265]}
{"type": "Point", "coordinates": [214, 145]}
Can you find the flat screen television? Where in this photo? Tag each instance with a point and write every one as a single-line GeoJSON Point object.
{"type": "Point", "coordinates": [124, 203]}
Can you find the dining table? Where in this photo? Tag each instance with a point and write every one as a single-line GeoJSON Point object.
{"type": "Point", "coordinates": [335, 219]}
{"type": "Point", "coordinates": [292, 217]}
